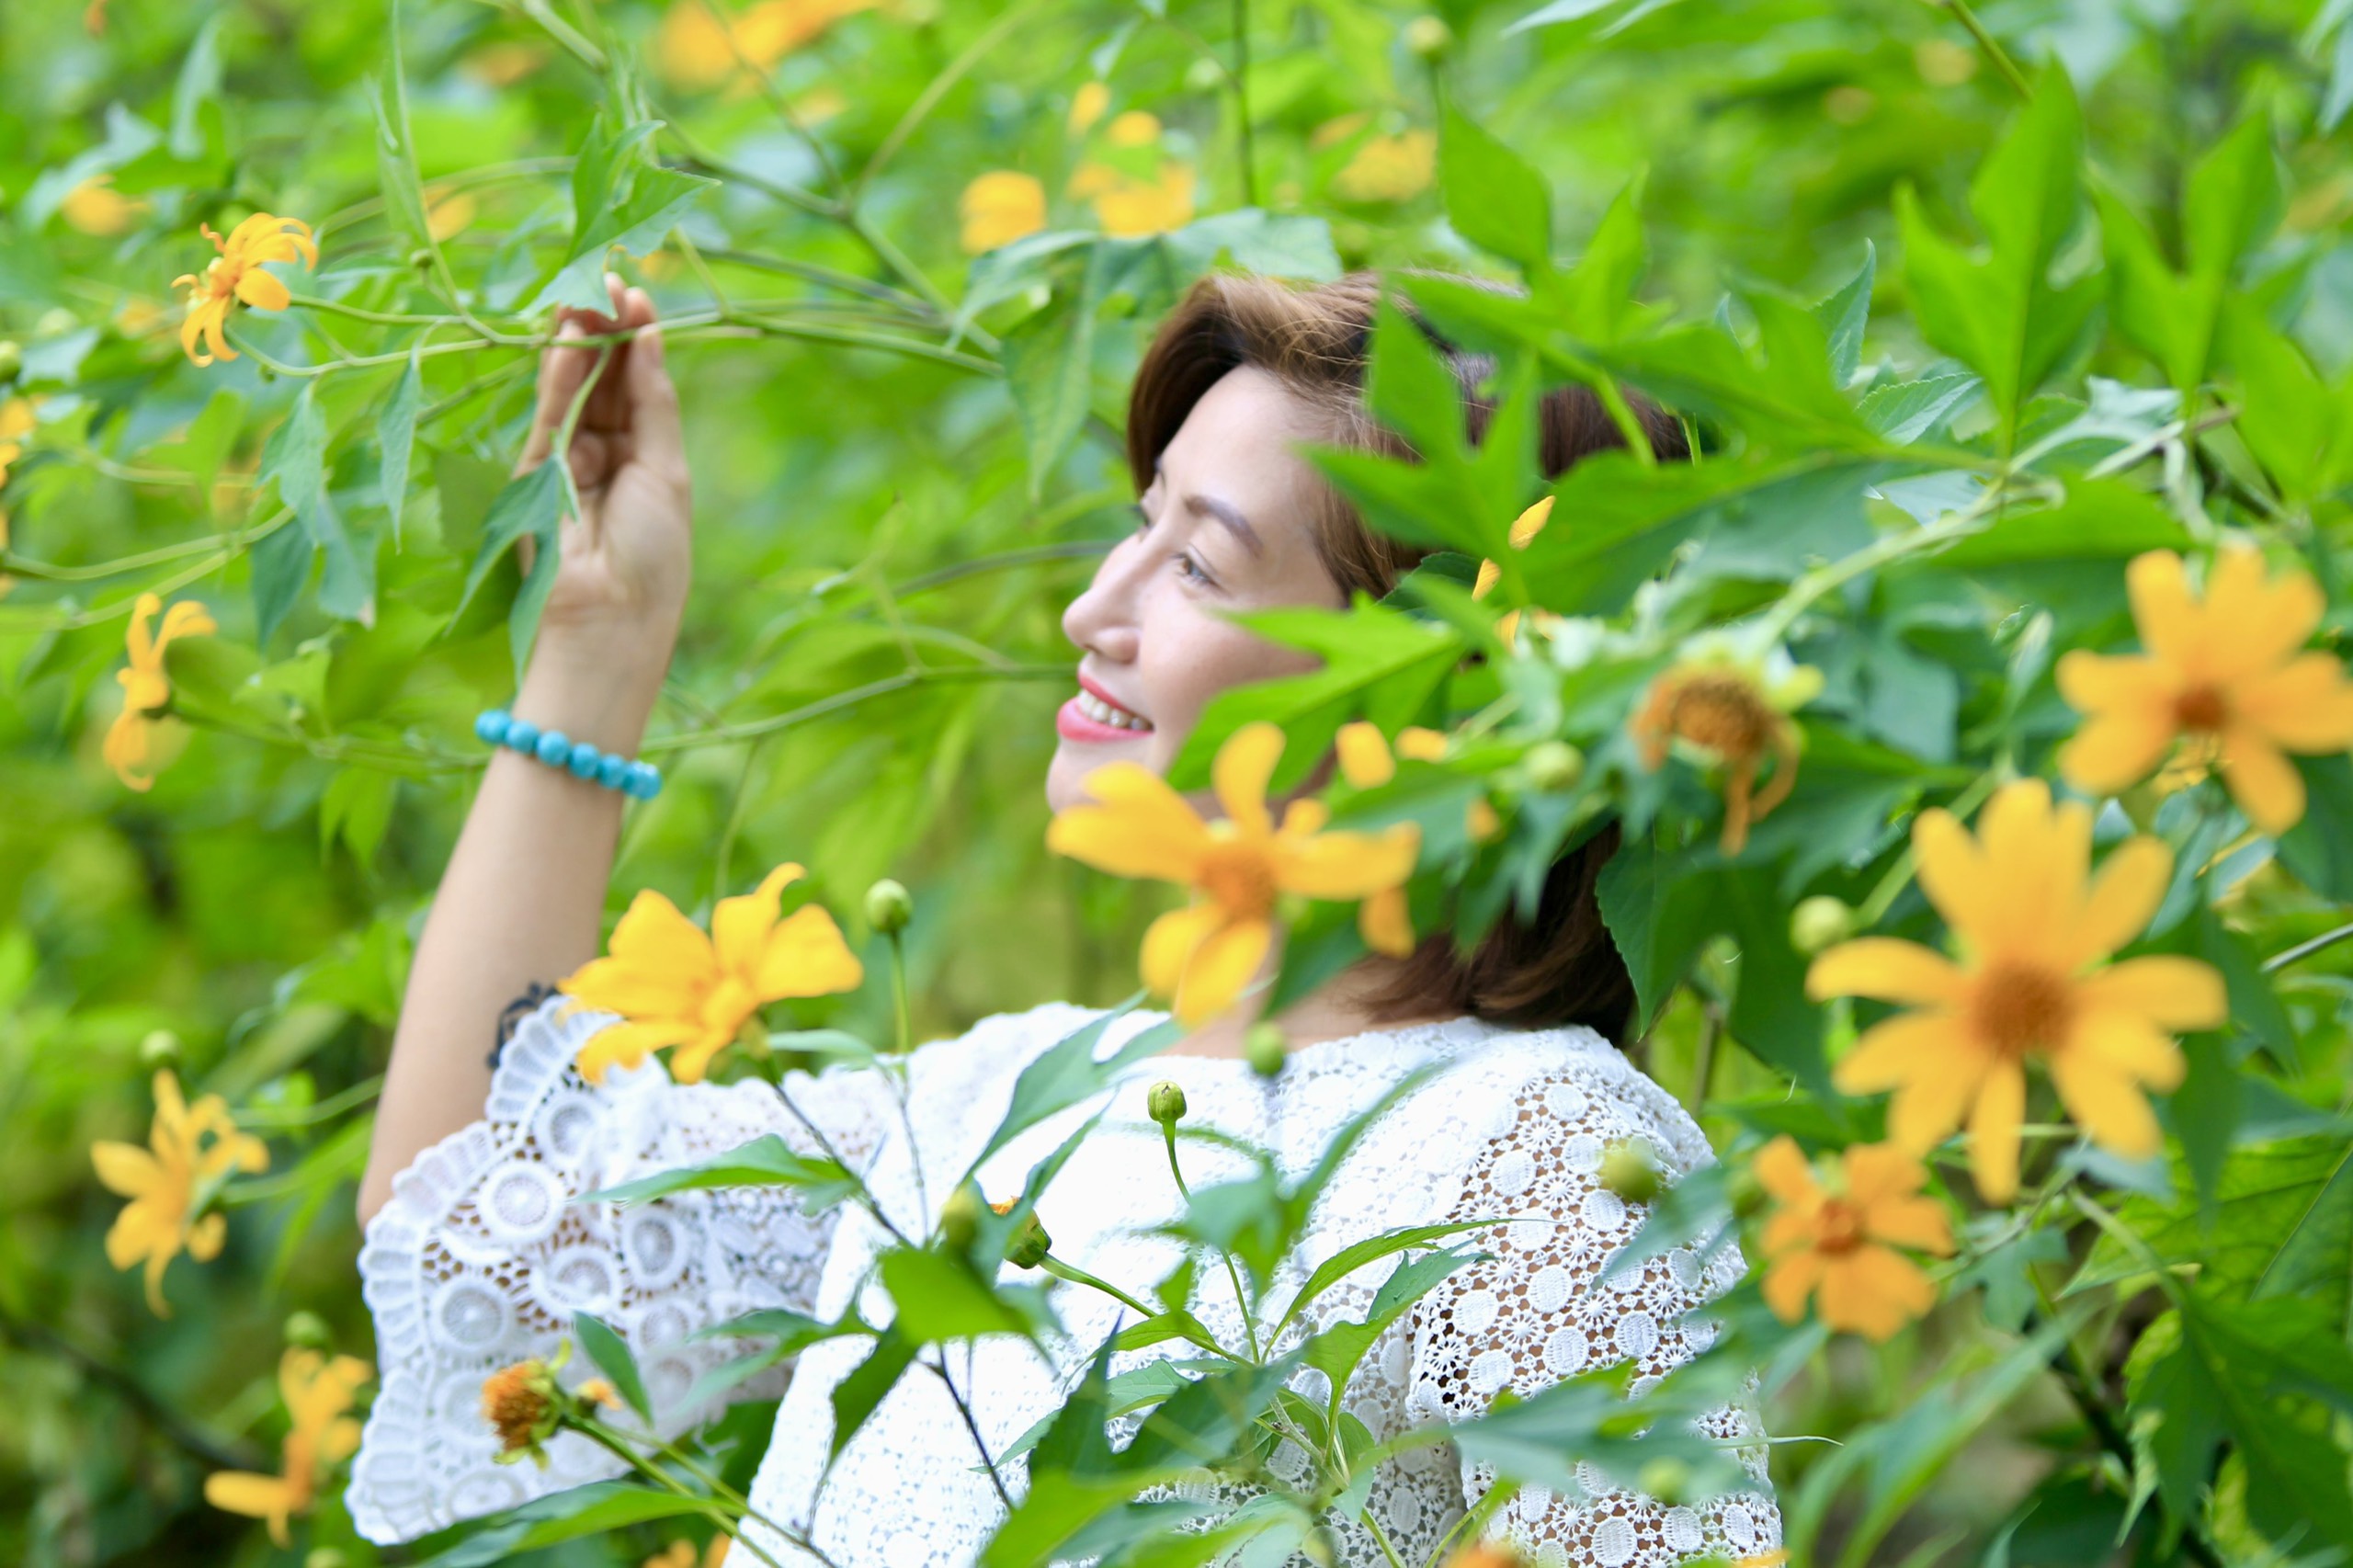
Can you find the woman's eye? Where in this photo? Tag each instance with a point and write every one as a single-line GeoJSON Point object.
{"type": "Point", "coordinates": [1190, 569]}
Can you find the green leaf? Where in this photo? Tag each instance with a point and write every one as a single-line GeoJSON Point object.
{"type": "Point", "coordinates": [2319, 848]}
{"type": "Point", "coordinates": [1408, 386]}
{"type": "Point", "coordinates": [938, 1297]}
{"type": "Point", "coordinates": [532, 505]}
{"type": "Point", "coordinates": [2100, 519]}
{"type": "Point", "coordinates": [1494, 198]}
{"type": "Point", "coordinates": [1338, 1350]}
{"type": "Point", "coordinates": [1067, 1074]}
{"type": "Point", "coordinates": [1050, 363]}
{"type": "Point", "coordinates": [280, 562]}
{"type": "Point", "coordinates": [356, 807]}
{"type": "Point", "coordinates": [1378, 663]}
{"type": "Point", "coordinates": [197, 83]}
{"type": "Point", "coordinates": [1357, 1255]}
{"type": "Point", "coordinates": [618, 202]}
{"type": "Point", "coordinates": [1131, 1391]}
{"type": "Point", "coordinates": [396, 174]}
{"type": "Point", "coordinates": [864, 1387]}
{"type": "Point", "coordinates": [1782, 393]}
{"type": "Point", "coordinates": [396, 434]}
{"type": "Point", "coordinates": [2226, 1377]}
{"type": "Point", "coordinates": [2233, 200]}
{"type": "Point", "coordinates": [2299, 427]}
{"type": "Point", "coordinates": [765, 1161]}
{"type": "Point", "coordinates": [2001, 314]}
{"type": "Point", "coordinates": [1845, 314]}
{"type": "Point", "coordinates": [595, 1509]}
{"type": "Point", "coordinates": [611, 1353]}
{"type": "Point", "coordinates": [1596, 298]}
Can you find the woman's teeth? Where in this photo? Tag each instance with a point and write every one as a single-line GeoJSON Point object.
{"type": "Point", "coordinates": [1103, 713]}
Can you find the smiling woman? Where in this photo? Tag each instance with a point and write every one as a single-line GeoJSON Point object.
{"type": "Point", "coordinates": [477, 1256]}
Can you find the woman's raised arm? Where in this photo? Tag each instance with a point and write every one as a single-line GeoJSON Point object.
{"type": "Point", "coordinates": [525, 891]}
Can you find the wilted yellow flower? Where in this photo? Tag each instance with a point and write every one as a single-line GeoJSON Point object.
{"type": "Point", "coordinates": [190, 1150]}
{"type": "Point", "coordinates": [1732, 709]}
{"type": "Point", "coordinates": [674, 986]}
{"type": "Point", "coordinates": [681, 1554]}
{"type": "Point", "coordinates": [2030, 979]}
{"type": "Point", "coordinates": [524, 1405]}
{"type": "Point", "coordinates": [319, 1393]}
{"type": "Point", "coordinates": [131, 741]}
{"type": "Point", "coordinates": [1840, 1241]}
{"type": "Point", "coordinates": [2227, 675]}
{"type": "Point", "coordinates": [1389, 168]}
{"type": "Point", "coordinates": [1202, 956]}
{"type": "Point", "coordinates": [95, 207]}
{"type": "Point", "coordinates": [236, 274]}
{"type": "Point", "coordinates": [998, 208]}
{"type": "Point", "coordinates": [1087, 107]}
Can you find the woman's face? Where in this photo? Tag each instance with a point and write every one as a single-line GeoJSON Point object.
{"type": "Point", "coordinates": [1226, 526]}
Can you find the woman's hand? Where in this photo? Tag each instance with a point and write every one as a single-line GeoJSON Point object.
{"type": "Point", "coordinates": [622, 585]}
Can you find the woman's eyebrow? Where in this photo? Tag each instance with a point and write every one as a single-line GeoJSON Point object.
{"type": "Point", "coordinates": [1226, 513]}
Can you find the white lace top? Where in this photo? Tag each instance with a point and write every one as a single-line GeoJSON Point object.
{"type": "Point", "coordinates": [477, 1261]}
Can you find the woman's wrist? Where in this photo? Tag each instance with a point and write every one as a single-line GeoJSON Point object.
{"type": "Point", "coordinates": [606, 701]}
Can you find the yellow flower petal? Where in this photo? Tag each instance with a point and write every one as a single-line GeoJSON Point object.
{"type": "Point", "coordinates": [126, 1168]}
{"type": "Point", "coordinates": [270, 1497]}
{"type": "Point", "coordinates": [805, 955]}
{"type": "Point", "coordinates": [2169, 991]}
{"type": "Point", "coordinates": [2265, 784]}
{"type": "Point", "coordinates": [1221, 967]}
{"type": "Point", "coordinates": [1365, 760]}
{"type": "Point", "coordinates": [2305, 705]}
{"type": "Point", "coordinates": [1420, 745]}
{"type": "Point", "coordinates": [1952, 870]}
{"type": "Point", "coordinates": [1386, 923]}
{"type": "Point", "coordinates": [1994, 1131]}
{"type": "Point", "coordinates": [1140, 827]}
{"type": "Point", "coordinates": [264, 291]}
{"type": "Point", "coordinates": [1347, 865]}
{"type": "Point", "coordinates": [1789, 1282]}
{"type": "Point", "coordinates": [2118, 902]}
{"type": "Point", "coordinates": [2117, 750]}
{"type": "Point", "coordinates": [1782, 1168]}
{"type": "Point", "coordinates": [1169, 942]}
{"type": "Point", "coordinates": [1892, 1051]}
{"type": "Point", "coordinates": [1244, 762]}
{"type": "Point", "coordinates": [1917, 1222]}
{"type": "Point", "coordinates": [2162, 607]}
{"type": "Point", "coordinates": [1886, 969]}
{"type": "Point", "coordinates": [629, 1045]}
{"type": "Point", "coordinates": [740, 927]}
{"type": "Point", "coordinates": [653, 938]}
{"type": "Point", "coordinates": [2106, 1106]}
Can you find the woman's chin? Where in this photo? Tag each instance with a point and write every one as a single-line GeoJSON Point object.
{"type": "Point", "coordinates": [1074, 760]}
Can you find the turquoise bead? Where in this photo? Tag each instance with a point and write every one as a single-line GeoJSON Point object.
{"type": "Point", "coordinates": [644, 780]}
{"type": "Point", "coordinates": [491, 727]}
{"type": "Point", "coordinates": [584, 760]}
{"type": "Point", "coordinates": [554, 748]}
{"type": "Point", "coordinates": [612, 770]}
{"type": "Point", "coordinates": [523, 735]}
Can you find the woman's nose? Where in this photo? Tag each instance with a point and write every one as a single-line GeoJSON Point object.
{"type": "Point", "coordinates": [1102, 620]}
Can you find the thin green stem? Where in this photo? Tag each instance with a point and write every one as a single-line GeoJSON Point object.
{"type": "Point", "coordinates": [2305, 949]}
{"type": "Point", "coordinates": [612, 1442]}
{"type": "Point", "coordinates": [937, 89]}
{"type": "Point", "coordinates": [1241, 76]}
{"type": "Point", "coordinates": [49, 572]}
{"type": "Point", "coordinates": [1241, 1296]}
{"type": "Point", "coordinates": [850, 698]}
{"type": "Point", "coordinates": [1975, 517]}
{"type": "Point", "coordinates": [972, 1428]}
{"type": "Point", "coordinates": [1989, 45]}
{"type": "Point", "coordinates": [1077, 1275]}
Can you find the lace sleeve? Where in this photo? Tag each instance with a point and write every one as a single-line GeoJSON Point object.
{"type": "Point", "coordinates": [480, 1260]}
{"type": "Point", "coordinates": [1541, 1311]}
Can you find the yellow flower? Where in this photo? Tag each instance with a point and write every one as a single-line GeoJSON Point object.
{"type": "Point", "coordinates": [1087, 107]}
{"type": "Point", "coordinates": [1203, 955]}
{"type": "Point", "coordinates": [1732, 709]}
{"type": "Point", "coordinates": [190, 1150]}
{"type": "Point", "coordinates": [1133, 128]}
{"type": "Point", "coordinates": [1386, 921]}
{"type": "Point", "coordinates": [697, 48]}
{"type": "Point", "coordinates": [448, 213]}
{"type": "Point", "coordinates": [675, 986]}
{"type": "Point", "coordinates": [2033, 932]}
{"type": "Point", "coordinates": [521, 1402]}
{"type": "Point", "coordinates": [1125, 206]}
{"type": "Point", "coordinates": [15, 424]}
{"type": "Point", "coordinates": [681, 1554]}
{"type": "Point", "coordinates": [236, 274]}
{"type": "Point", "coordinates": [1487, 1554]}
{"type": "Point", "coordinates": [2226, 674]}
{"type": "Point", "coordinates": [319, 1394]}
{"type": "Point", "coordinates": [130, 747]}
{"type": "Point", "coordinates": [998, 208]}
{"type": "Point", "coordinates": [95, 207]}
{"type": "Point", "coordinates": [1389, 168]}
{"type": "Point", "coordinates": [1524, 526]}
{"type": "Point", "coordinates": [1840, 1241]}
{"type": "Point", "coordinates": [504, 64]}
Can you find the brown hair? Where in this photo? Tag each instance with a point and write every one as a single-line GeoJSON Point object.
{"type": "Point", "coordinates": [1561, 967]}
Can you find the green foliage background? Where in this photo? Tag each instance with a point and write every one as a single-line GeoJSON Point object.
{"type": "Point", "coordinates": [885, 536]}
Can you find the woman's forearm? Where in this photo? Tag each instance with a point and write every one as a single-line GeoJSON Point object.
{"type": "Point", "coordinates": [522, 901]}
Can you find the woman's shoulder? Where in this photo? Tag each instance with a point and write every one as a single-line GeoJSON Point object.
{"type": "Point", "coordinates": [1565, 1091]}
{"type": "Point", "coordinates": [1003, 1044]}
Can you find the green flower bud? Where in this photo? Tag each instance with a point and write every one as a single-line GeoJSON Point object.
{"type": "Point", "coordinates": [1746, 1194]}
{"type": "Point", "coordinates": [1818, 922]}
{"type": "Point", "coordinates": [889, 907]}
{"type": "Point", "coordinates": [1031, 1242]}
{"type": "Point", "coordinates": [1429, 38]}
{"type": "Point", "coordinates": [12, 359]}
{"type": "Point", "coordinates": [1165, 1103]}
{"type": "Point", "coordinates": [1669, 1480]}
{"type": "Point", "coordinates": [1204, 75]}
{"type": "Point", "coordinates": [1628, 1170]}
{"type": "Point", "coordinates": [325, 1557]}
{"type": "Point", "coordinates": [160, 1049]}
{"type": "Point", "coordinates": [960, 1217]}
{"type": "Point", "coordinates": [56, 323]}
{"type": "Point", "coordinates": [308, 1330]}
{"type": "Point", "coordinates": [1554, 766]}
{"type": "Point", "coordinates": [1264, 1049]}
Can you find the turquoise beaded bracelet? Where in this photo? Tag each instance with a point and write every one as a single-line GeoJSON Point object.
{"type": "Point", "coordinates": [638, 781]}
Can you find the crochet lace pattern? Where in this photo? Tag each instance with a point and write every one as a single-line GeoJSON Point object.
{"type": "Point", "coordinates": [477, 1261]}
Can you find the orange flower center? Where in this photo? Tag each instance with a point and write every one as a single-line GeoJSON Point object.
{"type": "Point", "coordinates": [1723, 712]}
{"type": "Point", "coordinates": [2202, 707]}
{"type": "Point", "coordinates": [511, 1405]}
{"type": "Point", "coordinates": [1239, 877]}
{"type": "Point", "coordinates": [2017, 1008]}
{"type": "Point", "coordinates": [1839, 1227]}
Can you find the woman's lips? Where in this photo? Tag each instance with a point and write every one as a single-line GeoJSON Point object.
{"type": "Point", "coordinates": [1094, 718]}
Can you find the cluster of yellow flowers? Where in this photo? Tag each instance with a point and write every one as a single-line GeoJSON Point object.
{"type": "Point", "coordinates": [1132, 186]}
{"type": "Point", "coordinates": [700, 44]}
{"type": "Point", "coordinates": [319, 1392]}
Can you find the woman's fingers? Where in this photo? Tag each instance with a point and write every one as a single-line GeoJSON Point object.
{"type": "Point", "coordinates": [608, 407]}
{"type": "Point", "coordinates": [657, 440]}
{"type": "Point", "coordinates": [562, 369]}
